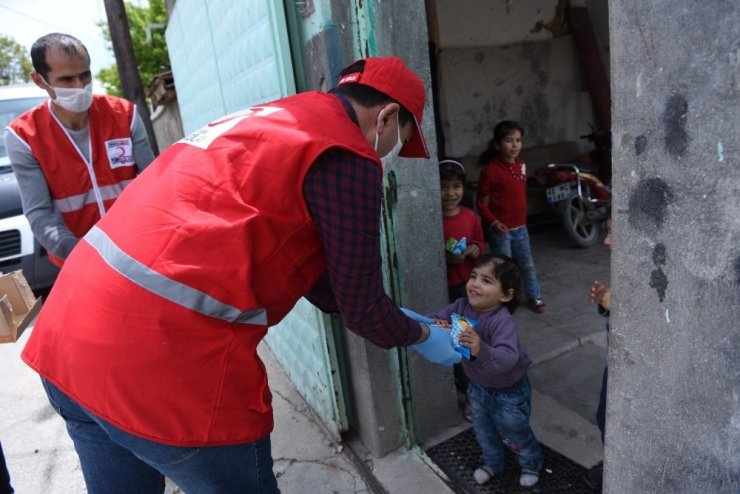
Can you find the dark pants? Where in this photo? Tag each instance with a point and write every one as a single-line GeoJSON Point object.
{"type": "Point", "coordinates": [5, 487]}
{"type": "Point", "coordinates": [601, 410]}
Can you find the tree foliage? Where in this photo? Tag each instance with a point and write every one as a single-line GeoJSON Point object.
{"type": "Point", "coordinates": [15, 64]}
{"type": "Point", "coordinates": [150, 50]}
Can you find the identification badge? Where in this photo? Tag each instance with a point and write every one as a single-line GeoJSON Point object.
{"type": "Point", "coordinates": [120, 152]}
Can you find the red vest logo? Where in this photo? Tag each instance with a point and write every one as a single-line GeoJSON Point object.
{"type": "Point", "coordinates": [120, 152]}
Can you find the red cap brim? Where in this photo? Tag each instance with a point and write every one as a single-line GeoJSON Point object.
{"type": "Point", "coordinates": [392, 77]}
{"type": "Point", "coordinates": [417, 146]}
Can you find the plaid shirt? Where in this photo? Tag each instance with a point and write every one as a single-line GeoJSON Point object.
{"type": "Point", "coordinates": [343, 194]}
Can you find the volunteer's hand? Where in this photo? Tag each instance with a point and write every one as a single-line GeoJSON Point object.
{"type": "Point", "coordinates": [416, 316]}
{"type": "Point", "coordinates": [437, 348]}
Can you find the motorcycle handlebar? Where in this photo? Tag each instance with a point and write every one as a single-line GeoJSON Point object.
{"type": "Point", "coordinates": [565, 166]}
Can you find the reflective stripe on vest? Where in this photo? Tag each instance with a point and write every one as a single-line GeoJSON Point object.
{"type": "Point", "coordinates": [174, 291]}
{"type": "Point", "coordinates": [77, 202]}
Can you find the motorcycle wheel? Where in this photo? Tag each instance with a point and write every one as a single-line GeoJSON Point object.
{"type": "Point", "coordinates": [583, 230]}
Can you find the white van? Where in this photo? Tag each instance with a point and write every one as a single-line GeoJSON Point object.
{"type": "Point", "coordinates": [18, 247]}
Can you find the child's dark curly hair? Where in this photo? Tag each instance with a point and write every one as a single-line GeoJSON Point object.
{"type": "Point", "coordinates": [506, 271]}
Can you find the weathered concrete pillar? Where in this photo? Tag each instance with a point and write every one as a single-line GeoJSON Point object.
{"type": "Point", "coordinates": [673, 413]}
{"type": "Point", "coordinates": [417, 217]}
{"type": "Point", "coordinates": [388, 398]}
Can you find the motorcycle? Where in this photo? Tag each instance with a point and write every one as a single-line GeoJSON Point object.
{"type": "Point", "coordinates": [577, 195]}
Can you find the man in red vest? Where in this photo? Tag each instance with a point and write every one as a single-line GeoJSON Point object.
{"type": "Point", "coordinates": [74, 154]}
{"type": "Point", "coordinates": [147, 345]}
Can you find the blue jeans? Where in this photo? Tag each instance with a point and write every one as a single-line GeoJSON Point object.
{"type": "Point", "coordinates": [501, 418]}
{"type": "Point", "coordinates": [515, 244]}
{"type": "Point", "coordinates": [114, 461]}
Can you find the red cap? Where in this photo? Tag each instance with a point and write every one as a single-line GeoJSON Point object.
{"type": "Point", "coordinates": [390, 76]}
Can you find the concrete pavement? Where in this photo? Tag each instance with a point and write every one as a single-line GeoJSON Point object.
{"type": "Point", "coordinates": [42, 460]}
{"type": "Point", "coordinates": [567, 345]}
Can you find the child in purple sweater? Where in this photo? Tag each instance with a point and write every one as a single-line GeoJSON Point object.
{"type": "Point", "coordinates": [499, 391]}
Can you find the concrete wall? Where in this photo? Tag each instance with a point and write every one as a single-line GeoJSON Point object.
{"type": "Point", "coordinates": [512, 60]}
{"type": "Point", "coordinates": [483, 23]}
{"type": "Point", "coordinates": [478, 23]}
{"type": "Point", "coordinates": [673, 420]}
{"type": "Point", "coordinates": [417, 219]}
{"type": "Point", "coordinates": [333, 34]}
{"type": "Point", "coordinates": [326, 32]}
{"type": "Point", "coordinates": [538, 84]}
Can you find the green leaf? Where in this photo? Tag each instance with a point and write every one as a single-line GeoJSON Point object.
{"type": "Point", "coordinates": [152, 58]}
{"type": "Point", "coordinates": [15, 64]}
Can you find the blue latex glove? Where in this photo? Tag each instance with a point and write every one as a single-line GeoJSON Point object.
{"type": "Point", "coordinates": [438, 347]}
{"type": "Point", "coordinates": [416, 316]}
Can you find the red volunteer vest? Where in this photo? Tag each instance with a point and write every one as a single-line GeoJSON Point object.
{"type": "Point", "coordinates": [227, 227]}
{"type": "Point", "coordinates": [77, 193]}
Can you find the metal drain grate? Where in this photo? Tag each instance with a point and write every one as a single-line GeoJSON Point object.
{"type": "Point", "coordinates": [460, 455]}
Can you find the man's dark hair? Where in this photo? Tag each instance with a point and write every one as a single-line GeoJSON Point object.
{"type": "Point", "coordinates": [367, 96]}
{"type": "Point", "coordinates": [68, 44]}
{"type": "Point", "coordinates": [506, 271]}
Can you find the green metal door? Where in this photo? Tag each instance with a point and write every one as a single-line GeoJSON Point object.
{"type": "Point", "coordinates": [227, 55]}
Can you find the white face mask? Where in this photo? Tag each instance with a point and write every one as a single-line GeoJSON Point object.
{"type": "Point", "coordinates": [390, 159]}
{"type": "Point", "coordinates": [73, 99]}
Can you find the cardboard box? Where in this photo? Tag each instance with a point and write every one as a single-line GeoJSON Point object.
{"type": "Point", "coordinates": [18, 306]}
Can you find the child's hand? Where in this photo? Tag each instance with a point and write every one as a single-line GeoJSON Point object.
{"type": "Point", "coordinates": [473, 251]}
{"type": "Point", "coordinates": [453, 259]}
{"type": "Point", "coordinates": [443, 323]}
{"type": "Point", "coordinates": [601, 294]}
{"type": "Point", "coordinates": [469, 338]}
{"type": "Point", "coordinates": [498, 227]}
